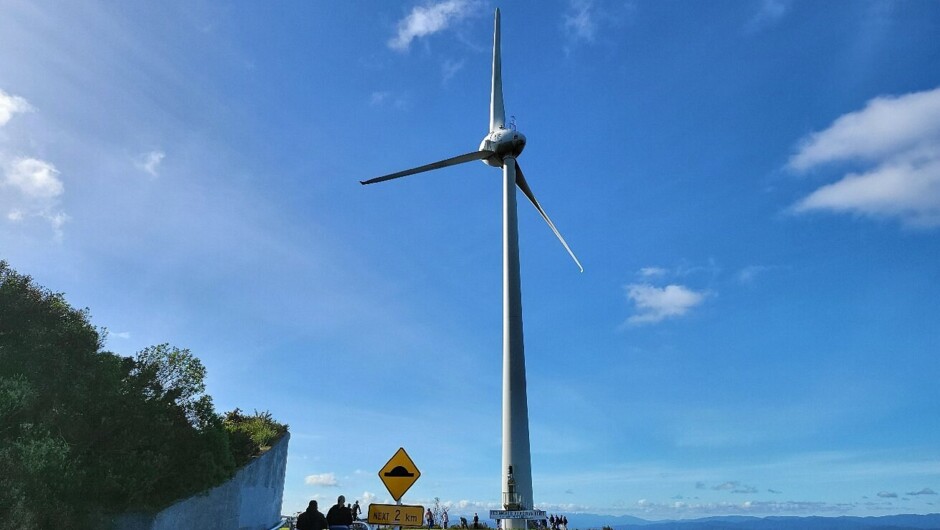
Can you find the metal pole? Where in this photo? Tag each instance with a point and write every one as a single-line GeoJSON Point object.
{"type": "Point", "coordinates": [515, 404]}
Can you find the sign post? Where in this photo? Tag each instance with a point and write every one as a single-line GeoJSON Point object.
{"type": "Point", "coordinates": [398, 475]}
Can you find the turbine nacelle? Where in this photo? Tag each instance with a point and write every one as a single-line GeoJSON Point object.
{"type": "Point", "coordinates": [500, 148]}
{"type": "Point", "coordinates": [502, 143]}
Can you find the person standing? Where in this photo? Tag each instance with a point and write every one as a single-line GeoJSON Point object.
{"type": "Point", "coordinates": [339, 517]}
{"type": "Point", "coordinates": [311, 519]}
{"type": "Point", "coordinates": [429, 518]}
{"type": "Point", "coordinates": [444, 519]}
{"type": "Point", "coordinates": [476, 521]}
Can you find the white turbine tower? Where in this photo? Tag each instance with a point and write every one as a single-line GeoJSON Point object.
{"type": "Point", "coordinates": [499, 149]}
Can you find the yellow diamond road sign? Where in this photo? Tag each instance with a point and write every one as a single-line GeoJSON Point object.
{"type": "Point", "coordinates": [399, 474]}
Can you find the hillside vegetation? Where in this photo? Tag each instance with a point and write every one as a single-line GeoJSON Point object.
{"type": "Point", "coordinates": [86, 433]}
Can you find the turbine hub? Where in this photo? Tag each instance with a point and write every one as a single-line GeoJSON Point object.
{"type": "Point", "coordinates": [504, 142]}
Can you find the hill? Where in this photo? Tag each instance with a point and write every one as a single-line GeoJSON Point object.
{"type": "Point", "coordinates": [888, 522]}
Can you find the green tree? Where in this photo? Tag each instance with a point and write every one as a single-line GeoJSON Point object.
{"type": "Point", "coordinates": [175, 376]}
{"type": "Point", "coordinates": [43, 343]}
{"type": "Point", "coordinates": [85, 433]}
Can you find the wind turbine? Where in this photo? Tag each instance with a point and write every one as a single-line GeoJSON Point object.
{"type": "Point", "coordinates": [500, 148]}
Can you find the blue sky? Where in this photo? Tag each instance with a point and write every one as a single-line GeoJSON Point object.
{"type": "Point", "coordinates": [753, 189]}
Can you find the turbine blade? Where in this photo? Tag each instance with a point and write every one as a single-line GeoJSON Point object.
{"type": "Point", "coordinates": [524, 186]}
{"type": "Point", "coordinates": [497, 112]}
{"type": "Point", "coordinates": [475, 155]}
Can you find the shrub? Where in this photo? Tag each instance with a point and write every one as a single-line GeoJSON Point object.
{"type": "Point", "coordinates": [250, 435]}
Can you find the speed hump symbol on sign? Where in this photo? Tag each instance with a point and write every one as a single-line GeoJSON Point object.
{"type": "Point", "coordinates": [399, 474]}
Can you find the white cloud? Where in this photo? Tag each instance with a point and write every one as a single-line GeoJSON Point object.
{"type": "Point", "coordinates": [885, 127]}
{"type": "Point", "coordinates": [29, 187]}
{"type": "Point", "coordinates": [657, 303]}
{"type": "Point", "coordinates": [10, 105]}
{"type": "Point", "coordinates": [367, 497]}
{"type": "Point", "coordinates": [322, 479]}
{"type": "Point", "coordinates": [36, 189]}
{"type": "Point", "coordinates": [34, 178]}
{"type": "Point", "coordinates": [426, 20]}
{"type": "Point", "coordinates": [908, 189]}
{"type": "Point", "coordinates": [149, 162]}
{"type": "Point", "coordinates": [898, 138]}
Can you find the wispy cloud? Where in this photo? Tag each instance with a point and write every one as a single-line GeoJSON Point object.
{"type": "Point", "coordinates": [10, 105]}
{"type": "Point", "coordinates": [768, 13]}
{"type": "Point", "coordinates": [150, 162]}
{"type": "Point", "coordinates": [322, 479]}
{"type": "Point", "coordinates": [580, 20]}
{"type": "Point", "coordinates": [586, 21]}
{"type": "Point", "coordinates": [378, 97]}
{"type": "Point", "coordinates": [384, 98]}
{"type": "Point", "coordinates": [898, 138]}
{"type": "Point", "coordinates": [654, 304]}
{"type": "Point", "coordinates": [450, 68]}
{"type": "Point", "coordinates": [427, 20]}
{"type": "Point", "coordinates": [648, 272]}
{"type": "Point", "coordinates": [887, 495]}
{"type": "Point", "coordinates": [749, 274]}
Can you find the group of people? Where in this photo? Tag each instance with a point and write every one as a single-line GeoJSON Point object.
{"type": "Point", "coordinates": [559, 522]}
{"type": "Point", "coordinates": [429, 519]}
{"type": "Point", "coordinates": [339, 517]}
{"type": "Point", "coordinates": [476, 522]}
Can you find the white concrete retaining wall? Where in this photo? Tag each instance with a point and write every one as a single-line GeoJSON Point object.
{"type": "Point", "coordinates": [251, 500]}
